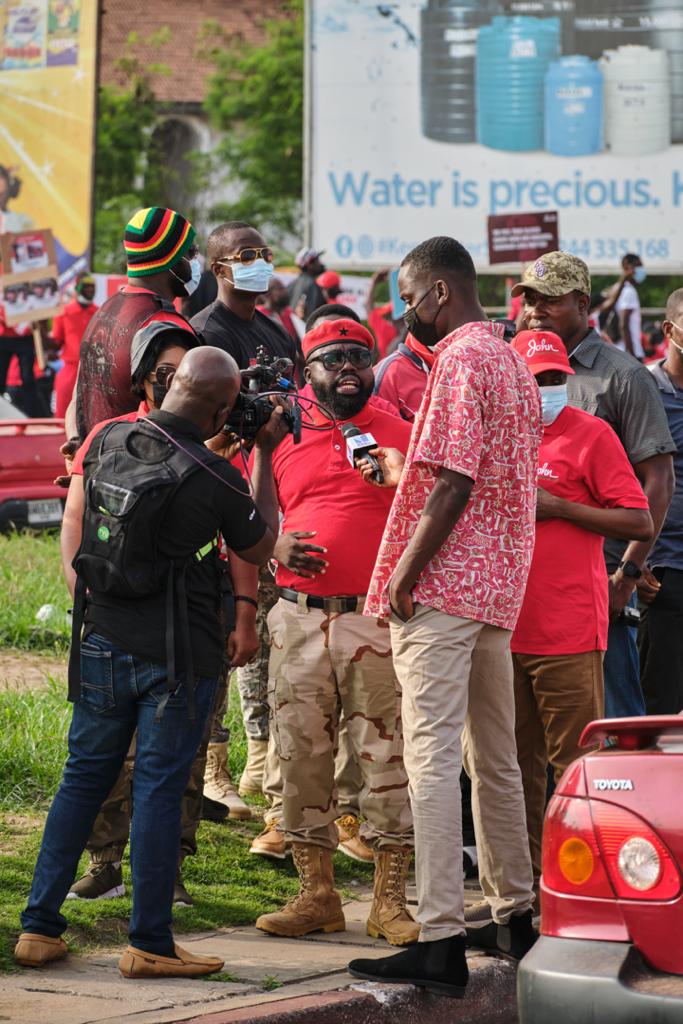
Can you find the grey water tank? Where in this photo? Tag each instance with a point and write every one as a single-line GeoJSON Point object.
{"type": "Point", "coordinates": [449, 30]}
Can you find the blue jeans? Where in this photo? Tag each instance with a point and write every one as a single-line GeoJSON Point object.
{"type": "Point", "coordinates": [623, 692]}
{"type": "Point", "coordinates": [120, 694]}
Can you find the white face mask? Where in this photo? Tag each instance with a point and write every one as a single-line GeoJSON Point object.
{"type": "Point", "coordinates": [196, 273]}
{"type": "Point", "coordinates": [553, 401]}
{"type": "Point", "coordinates": [675, 343]}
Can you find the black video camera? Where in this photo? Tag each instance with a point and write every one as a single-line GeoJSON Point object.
{"type": "Point", "coordinates": [253, 408]}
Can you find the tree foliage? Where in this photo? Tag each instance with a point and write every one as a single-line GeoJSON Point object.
{"type": "Point", "coordinates": [255, 97]}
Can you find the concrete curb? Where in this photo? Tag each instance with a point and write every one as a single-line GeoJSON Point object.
{"type": "Point", "coordinates": [490, 999]}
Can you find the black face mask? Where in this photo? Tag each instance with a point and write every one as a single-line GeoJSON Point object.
{"type": "Point", "coordinates": [159, 392]}
{"type": "Point", "coordinates": [425, 333]}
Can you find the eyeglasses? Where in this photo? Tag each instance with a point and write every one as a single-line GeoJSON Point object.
{"type": "Point", "coordinates": [192, 252]}
{"type": "Point", "coordinates": [163, 375]}
{"type": "Point", "coordinates": [247, 256]}
{"type": "Point", "coordinates": [408, 315]}
{"type": "Point", "coordinates": [335, 358]}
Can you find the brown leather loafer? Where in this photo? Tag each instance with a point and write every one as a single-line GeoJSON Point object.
{"type": "Point", "coordinates": [136, 963]}
{"type": "Point", "coordinates": [33, 950]}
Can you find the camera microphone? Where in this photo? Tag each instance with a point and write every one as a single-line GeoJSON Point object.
{"type": "Point", "coordinates": [359, 446]}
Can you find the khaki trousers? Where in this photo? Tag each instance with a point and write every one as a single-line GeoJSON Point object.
{"type": "Point", "coordinates": [458, 705]}
{"type": "Point", "coordinates": [320, 665]}
{"type": "Point", "coordinates": [556, 696]}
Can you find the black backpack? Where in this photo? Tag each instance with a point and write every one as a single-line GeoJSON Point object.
{"type": "Point", "coordinates": [137, 471]}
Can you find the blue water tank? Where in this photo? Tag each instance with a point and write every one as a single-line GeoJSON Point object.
{"type": "Point", "coordinates": [573, 107]}
{"type": "Point", "coordinates": [513, 55]}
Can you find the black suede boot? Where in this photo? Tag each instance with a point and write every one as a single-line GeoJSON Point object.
{"type": "Point", "coordinates": [514, 938]}
{"type": "Point", "coordinates": [439, 966]}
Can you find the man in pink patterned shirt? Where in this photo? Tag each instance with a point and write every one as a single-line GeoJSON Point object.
{"type": "Point", "coordinates": [450, 573]}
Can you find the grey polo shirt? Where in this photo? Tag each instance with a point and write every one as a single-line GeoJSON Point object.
{"type": "Point", "coordinates": [614, 386]}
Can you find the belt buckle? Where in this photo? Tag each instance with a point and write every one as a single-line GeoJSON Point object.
{"type": "Point", "coordinates": [335, 604]}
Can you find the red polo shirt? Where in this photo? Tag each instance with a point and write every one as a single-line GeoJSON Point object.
{"type": "Point", "coordinates": [69, 328]}
{"type": "Point", "coordinates": [565, 603]}
{"type": "Point", "coordinates": [319, 490]}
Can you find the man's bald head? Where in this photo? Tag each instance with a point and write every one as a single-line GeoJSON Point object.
{"type": "Point", "coordinates": [204, 389]}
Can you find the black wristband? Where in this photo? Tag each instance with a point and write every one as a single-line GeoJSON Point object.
{"type": "Point", "coordinates": [249, 600]}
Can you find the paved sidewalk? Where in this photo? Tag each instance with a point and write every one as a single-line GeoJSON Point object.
{"type": "Point", "coordinates": [312, 985]}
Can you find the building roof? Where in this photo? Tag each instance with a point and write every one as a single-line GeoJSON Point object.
{"type": "Point", "coordinates": [187, 81]}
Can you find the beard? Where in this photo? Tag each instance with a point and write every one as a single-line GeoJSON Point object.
{"type": "Point", "coordinates": [342, 406]}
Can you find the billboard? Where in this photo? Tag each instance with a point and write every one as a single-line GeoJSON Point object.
{"type": "Point", "coordinates": [425, 118]}
{"type": "Point", "coordinates": [47, 105]}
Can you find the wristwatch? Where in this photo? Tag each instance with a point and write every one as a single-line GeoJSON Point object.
{"type": "Point", "coordinates": [630, 569]}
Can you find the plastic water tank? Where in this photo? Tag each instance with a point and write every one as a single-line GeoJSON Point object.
{"type": "Point", "coordinates": [513, 55]}
{"type": "Point", "coordinates": [573, 107]}
{"type": "Point", "coordinates": [637, 100]}
{"type": "Point", "coordinates": [658, 24]}
{"type": "Point", "coordinates": [448, 46]}
{"type": "Point", "coordinates": [565, 10]}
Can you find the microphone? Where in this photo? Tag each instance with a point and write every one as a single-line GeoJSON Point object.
{"type": "Point", "coordinates": [358, 446]}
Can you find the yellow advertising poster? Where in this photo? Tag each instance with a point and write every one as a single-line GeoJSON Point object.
{"type": "Point", "coordinates": [47, 110]}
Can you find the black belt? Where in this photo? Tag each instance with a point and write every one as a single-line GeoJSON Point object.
{"type": "Point", "coordinates": [328, 604]}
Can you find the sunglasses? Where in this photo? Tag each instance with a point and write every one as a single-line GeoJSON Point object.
{"type": "Point", "coordinates": [192, 252]}
{"type": "Point", "coordinates": [247, 256]}
{"type": "Point", "coordinates": [335, 358]}
{"type": "Point", "coordinates": [163, 375]}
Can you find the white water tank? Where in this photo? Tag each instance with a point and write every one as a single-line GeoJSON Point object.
{"type": "Point", "coordinates": [637, 115]}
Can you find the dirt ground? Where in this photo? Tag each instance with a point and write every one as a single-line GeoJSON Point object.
{"type": "Point", "coordinates": [27, 670]}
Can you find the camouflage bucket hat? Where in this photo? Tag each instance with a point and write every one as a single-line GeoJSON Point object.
{"type": "Point", "coordinates": [555, 273]}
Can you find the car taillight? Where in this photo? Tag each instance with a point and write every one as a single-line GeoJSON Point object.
{"type": "Point", "coordinates": [639, 864]}
{"type": "Point", "coordinates": [594, 848]}
{"type": "Point", "coordinates": [572, 862]}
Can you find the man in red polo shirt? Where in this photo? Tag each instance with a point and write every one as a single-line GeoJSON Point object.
{"type": "Point", "coordinates": [325, 654]}
{"type": "Point", "coordinates": [68, 330]}
{"type": "Point", "coordinates": [587, 490]}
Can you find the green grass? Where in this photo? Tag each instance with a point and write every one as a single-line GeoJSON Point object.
{"type": "Point", "coordinates": [230, 886]}
{"type": "Point", "coordinates": [31, 576]}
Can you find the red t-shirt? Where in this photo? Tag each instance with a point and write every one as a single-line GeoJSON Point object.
{"type": "Point", "coordinates": [401, 379]}
{"type": "Point", "coordinates": [128, 417]}
{"type": "Point", "coordinates": [69, 328]}
{"type": "Point", "coordinates": [565, 604]}
{"type": "Point", "coordinates": [319, 490]}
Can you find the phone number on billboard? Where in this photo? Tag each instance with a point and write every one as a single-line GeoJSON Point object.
{"type": "Point", "coordinates": [615, 248]}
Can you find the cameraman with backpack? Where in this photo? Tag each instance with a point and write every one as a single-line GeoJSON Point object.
{"type": "Point", "coordinates": [151, 645]}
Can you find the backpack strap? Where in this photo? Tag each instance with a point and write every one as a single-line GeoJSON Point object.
{"type": "Point", "coordinates": [77, 619]}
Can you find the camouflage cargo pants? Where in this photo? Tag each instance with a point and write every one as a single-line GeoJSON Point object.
{"type": "Point", "coordinates": [111, 830]}
{"type": "Point", "coordinates": [320, 664]}
{"type": "Point", "coordinates": [252, 679]}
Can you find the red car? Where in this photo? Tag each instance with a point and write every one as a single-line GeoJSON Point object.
{"type": "Point", "coordinates": [611, 945]}
{"type": "Point", "coordinates": [29, 463]}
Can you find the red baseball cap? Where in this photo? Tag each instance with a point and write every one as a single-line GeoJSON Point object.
{"type": "Point", "coordinates": [332, 332]}
{"type": "Point", "coordinates": [330, 279]}
{"type": "Point", "coordinates": [542, 350]}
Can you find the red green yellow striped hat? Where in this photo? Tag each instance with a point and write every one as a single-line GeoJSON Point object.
{"type": "Point", "coordinates": [155, 239]}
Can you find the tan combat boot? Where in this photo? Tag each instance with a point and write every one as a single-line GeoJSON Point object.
{"type": "Point", "coordinates": [317, 906]}
{"type": "Point", "coordinates": [251, 783]}
{"type": "Point", "coordinates": [389, 916]}
{"type": "Point", "coordinates": [218, 784]}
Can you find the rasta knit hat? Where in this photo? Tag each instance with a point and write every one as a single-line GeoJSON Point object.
{"type": "Point", "coordinates": [155, 239]}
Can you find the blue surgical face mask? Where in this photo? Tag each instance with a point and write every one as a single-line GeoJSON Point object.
{"type": "Point", "coordinates": [639, 275]}
{"type": "Point", "coordinates": [255, 277]}
{"type": "Point", "coordinates": [553, 401]}
{"type": "Point", "coordinates": [195, 272]}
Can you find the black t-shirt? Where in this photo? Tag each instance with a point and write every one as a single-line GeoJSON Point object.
{"type": "Point", "coordinates": [202, 507]}
{"type": "Point", "coordinates": [240, 338]}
